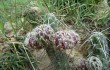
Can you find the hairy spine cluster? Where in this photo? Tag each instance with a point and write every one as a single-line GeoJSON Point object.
{"type": "Point", "coordinates": [40, 32]}
{"type": "Point", "coordinates": [66, 39]}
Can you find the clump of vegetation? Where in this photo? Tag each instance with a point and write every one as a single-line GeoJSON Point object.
{"type": "Point", "coordinates": [99, 48]}
{"type": "Point", "coordinates": [17, 57]}
{"type": "Point", "coordinates": [69, 34]}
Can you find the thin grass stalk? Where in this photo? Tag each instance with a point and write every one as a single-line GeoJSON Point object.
{"type": "Point", "coordinates": [30, 59]}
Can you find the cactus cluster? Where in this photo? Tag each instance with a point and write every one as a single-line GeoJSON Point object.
{"type": "Point", "coordinates": [61, 39]}
{"type": "Point", "coordinates": [68, 39]}
{"type": "Point", "coordinates": [44, 36]}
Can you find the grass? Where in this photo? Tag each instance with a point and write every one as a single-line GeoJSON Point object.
{"type": "Point", "coordinates": [17, 57]}
{"type": "Point", "coordinates": [88, 15]}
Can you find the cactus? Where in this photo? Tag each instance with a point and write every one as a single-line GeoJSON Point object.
{"type": "Point", "coordinates": [41, 37]}
{"type": "Point", "coordinates": [45, 31]}
{"type": "Point", "coordinates": [31, 40]}
{"type": "Point", "coordinates": [52, 20]}
{"type": "Point", "coordinates": [48, 37]}
{"type": "Point", "coordinates": [40, 32]}
{"type": "Point", "coordinates": [99, 48]}
{"type": "Point", "coordinates": [58, 58]}
{"type": "Point", "coordinates": [66, 39]}
{"type": "Point", "coordinates": [94, 63]}
{"type": "Point", "coordinates": [99, 42]}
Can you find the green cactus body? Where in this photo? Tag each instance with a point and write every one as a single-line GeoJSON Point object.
{"type": "Point", "coordinates": [99, 48]}
{"type": "Point", "coordinates": [94, 63]}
